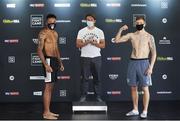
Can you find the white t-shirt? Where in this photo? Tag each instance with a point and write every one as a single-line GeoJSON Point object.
{"type": "Point", "coordinates": [90, 50]}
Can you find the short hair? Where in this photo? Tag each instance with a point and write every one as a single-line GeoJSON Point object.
{"type": "Point", "coordinates": [50, 16]}
{"type": "Point", "coordinates": [92, 15]}
{"type": "Point", "coordinates": [140, 17]}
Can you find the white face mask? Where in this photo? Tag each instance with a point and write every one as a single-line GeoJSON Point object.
{"type": "Point", "coordinates": [90, 23]}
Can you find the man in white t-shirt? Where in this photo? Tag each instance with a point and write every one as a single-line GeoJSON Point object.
{"type": "Point", "coordinates": [90, 40]}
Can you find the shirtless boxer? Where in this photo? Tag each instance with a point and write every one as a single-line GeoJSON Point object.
{"type": "Point", "coordinates": [139, 68]}
{"type": "Point", "coordinates": [50, 56]}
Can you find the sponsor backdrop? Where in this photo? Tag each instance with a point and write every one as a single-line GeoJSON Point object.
{"type": "Point", "coordinates": [21, 75]}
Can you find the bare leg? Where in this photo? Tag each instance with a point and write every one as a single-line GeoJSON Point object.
{"type": "Point", "coordinates": [134, 94]}
{"type": "Point", "coordinates": [146, 98]}
{"type": "Point", "coordinates": [47, 99]}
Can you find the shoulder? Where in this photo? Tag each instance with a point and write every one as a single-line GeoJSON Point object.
{"type": "Point", "coordinates": [98, 29]}
{"type": "Point", "coordinates": [55, 32]}
{"type": "Point", "coordinates": [83, 29]}
{"type": "Point", "coordinates": [131, 34]}
{"type": "Point", "coordinates": [43, 31]}
{"type": "Point", "coordinates": [150, 36]}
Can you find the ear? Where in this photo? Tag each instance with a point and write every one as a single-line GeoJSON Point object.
{"type": "Point", "coordinates": [144, 24]}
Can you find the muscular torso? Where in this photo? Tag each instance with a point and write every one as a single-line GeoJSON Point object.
{"type": "Point", "coordinates": [140, 45]}
{"type": "Point", "coordinates": [50, 43]}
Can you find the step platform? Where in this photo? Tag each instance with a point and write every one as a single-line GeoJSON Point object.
{"type": "Point", "coordinates": [89, 106]}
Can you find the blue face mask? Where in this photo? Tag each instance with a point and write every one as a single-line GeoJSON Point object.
{"type": "Point", "coordinates": [90, 23]}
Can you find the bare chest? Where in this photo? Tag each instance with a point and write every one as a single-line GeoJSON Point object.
{"type": "Point", "coordinates": [140, 41]}
{"type": "Point", "coordinates": [51, 38]}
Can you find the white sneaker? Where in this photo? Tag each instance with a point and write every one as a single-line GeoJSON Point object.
{"type": "Point", "coordinates": [132, 113]}
{"type": "Point", "coordinates": [143, 115]}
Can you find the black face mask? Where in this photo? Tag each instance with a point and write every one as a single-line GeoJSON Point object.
{"type": "Point", "coordinates": [51, 26]}
{"type": "Point", "coordinates": [139, 27]}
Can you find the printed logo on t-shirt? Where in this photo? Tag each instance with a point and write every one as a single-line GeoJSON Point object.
{"type": "Point", "coordinates": [90, 36]}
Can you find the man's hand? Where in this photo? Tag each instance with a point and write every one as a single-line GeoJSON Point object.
{"type": "Point", "coordinates": [93, 42]}
{"type": "Point", "coordinates": [62, 67]}
{"type": "Point", "coordinates": [119, 38]}
{"type": "Point", "coordinates": [87, 42]}
{"type": "Point", "coordinates": [125, 27]}
{"type": "Point", "coordinates": [48, 68]}
{"type": "Point", "coordinates": [148, 71]}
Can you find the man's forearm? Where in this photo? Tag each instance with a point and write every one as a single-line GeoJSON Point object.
{"type": "Point", "coordinates": [59, 57]}
{"type": "Point", "coordinates": [100, 45]}
{"type": "Point", "coordinates": [152, 61]}
{"type": "Point", "coordinates": [41, 56]}
{"type": "Point", "coordinates": [118, 36]}
{"type": "Point", "coordinates": [81, 44]}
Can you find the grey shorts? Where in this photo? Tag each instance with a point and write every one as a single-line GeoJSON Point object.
{"type": "Point", "coordinates": [136, 73]}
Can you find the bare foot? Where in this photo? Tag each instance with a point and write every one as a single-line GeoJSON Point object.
{"type": "Point", "coordinates": [49, 116]}
{"type": "Point", "coordinates": [54, 114]}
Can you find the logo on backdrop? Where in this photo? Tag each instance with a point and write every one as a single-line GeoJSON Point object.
{"type": "Point", "coordinates": [37, 5]}
{"type": "Point", "coordinates": [35, 60]}
{"type": "Point", "coordinates": [162, 58]}
{"type": "Point", "coordinates": [164, 4]}
{"type": "Point", "coordinates": [62, 5]}
{"type": "Point", "coordinates": [11, 59]}
{"type": "Point", "coordinates": [11, 78]}
{"type": "Point", "coordinates": [11, 41]}
{"type": "Point", "coordinates": [64, 77]}
{"type": "Point", "coordinates": [113, 76]}
{"type": "Point", "coordinates": [114, 5]}
{"type": "Point", "coordinates": [164, 41]}
{"type": "Point", "coordinates": [113, 92]}
{"type": "Point", "coordinates": [114, 58]}
{"type": "Point", "coordinates": [88, 5]}
{"type": "Point", "coordinates": [164, 76]}
{"type": "Point", "coordinates": [9, 21]}
{"type": "Point", "coordinates": [138, 5]}
{"type": "Point", "coordinates": [62, 93]}
{"type": "Point", "coordinates": [164, 20]}
{"type": "Point", "coordinates": [108, 20]}
{"type": "Point", "coordinates": [35, 40]}
{"type": "Point", "coordinates": [14, 93]}
{"type": "Point", "coordinates": [63, 21]}
{"type": "Point", "coordinates": [37, 93]}
{"type": "Point", "coordinates": [62, 40]}
{"type": "Point", "coordinates": [36, 20]}
{"type": "Point", "coordinates": [11, 5]}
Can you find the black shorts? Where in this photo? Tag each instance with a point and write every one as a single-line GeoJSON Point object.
{"type": "Point", "coordinates": [52, 76]}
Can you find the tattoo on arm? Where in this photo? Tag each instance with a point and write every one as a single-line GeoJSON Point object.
{"type": "Point", "coordinates": [41, 39]}
{"type": "Point", "coordinates": [152, 45]}
{"type": "Point", "coordinates": [153, 51]}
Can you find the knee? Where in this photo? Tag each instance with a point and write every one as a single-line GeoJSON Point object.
{"type": "Point", "coordinates": [134, 88]}
{"type": "Point", "coordinates": [145, 89]}
{"type": "Point", "coordinates": [48, 87]}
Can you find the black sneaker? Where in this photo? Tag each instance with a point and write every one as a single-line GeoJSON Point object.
{"type": "Point", "coordinates": [99, 99]}
{"type": "Point", "coordinates": [82, 99]}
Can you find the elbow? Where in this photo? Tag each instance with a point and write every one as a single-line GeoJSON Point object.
{"type": "Point", "coordinates": [39, 51]}
{"type": "Point", "coordinates": [77, 45]}
{"type": "Point", "coordinates": [104, 46]}
{"type": "Point", "coordinates": [116, 40]}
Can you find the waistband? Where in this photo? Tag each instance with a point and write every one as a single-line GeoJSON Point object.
{"type": "Point", "coordinates": [136, 59]}
{"type": "Point", "coordinates": [51, 57]}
